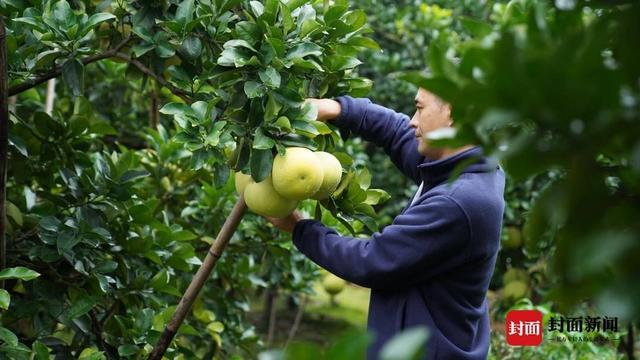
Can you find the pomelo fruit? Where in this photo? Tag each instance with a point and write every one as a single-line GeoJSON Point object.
{"type": "Point", "coordinates": [241, 181]}
{"type": "Point", "coordinates": [297, 174]}
{"type": "Point", "coordinates": [332, 174]}
{"type": "Point", "coordinates": [262, 199]}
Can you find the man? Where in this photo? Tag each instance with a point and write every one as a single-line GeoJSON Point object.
{"type": "Point", "coordinates": [432, 266]}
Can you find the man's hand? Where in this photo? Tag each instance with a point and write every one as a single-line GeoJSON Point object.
{"type": "Point", "coordinates": [288, 223]}
{"type": "Point", "coordinates": [328, 109]}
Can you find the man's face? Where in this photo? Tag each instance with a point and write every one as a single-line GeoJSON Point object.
{"type": "Point", "coordinates": [431, 113]}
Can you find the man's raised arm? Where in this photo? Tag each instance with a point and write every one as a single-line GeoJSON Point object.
{"type": "Point", "coordinates": [384, 127]}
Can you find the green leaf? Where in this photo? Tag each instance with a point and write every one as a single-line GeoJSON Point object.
{"type": "Point", "coordinates": [128, 350]}
{"type": "Point", "coordinates": [38, 25]}
{"type": "Point", "coordinates": [305, 127]}
{"type": "Point", "coordinates": [364, 42]}
{"type": "Point", "coordinates": [141, 49]}
{"type": "Point", "coordinates": [132, 175]}
{"type": "Point", "coordinates": [183, 235]}
{"type": "Point", "coordinates": [160, 280]}
{"type": "Point", "coordinates": [260, 164]}
{"type": "Point", "coordinates": [49, 223]}
{"type": "Point", "coordinates": [407, 345]}
{"type": "Point", "coordinates": [339, 63]}
{"type": "Point", "coordinates": [334, 13]}
{"type": "Point", "coordinates": [66, 240]}
{"type": "Point", "coordinates": [376, 196]}
{"type": "Point", "coordinates": [40, 350]}
{"type": "Point", "coordinates": [94, 20]}
{"type": "Point", "coordinates": [301, 50]}
{"type": "Point", "coordinates": [236, 57]}
{"type": "Point", "coordinates": [352, 345]}
{"type": "Point", "coordinates": [272, 109]}
{"type": "Point", "coordinates": [270, 77]}
{"type": "Point", "coordinates": [106, 266]}
{"type": "Point", "coordinates": [356, 19]}
{"type": "Point", "coordinates": [178, 109]}
{"type": "Point", "coordinates": [216, 327]}
{"type": "Point", "coordinates": [91, 354]}
{"type": "Point", "coordinates": [239, 43]}
{"type": "Point", "coordinates": [308, 27]}
{"type": "Point", "coordinates": [62, 13]}
{"type": "Point", "coordinates": [283, 123]}
{"type": "Point", "coordinates": [18, 272]}
{"type": "Point", "coordinates": [14, 213]}
{"type": "Point", "coordinates": [191, 48]}
{"type": "Point", "coordinates": [248, 31]}
{"type": "Point", "coordinates": [5, 299]}
{"type": "Point", "coordinates": [262, 141]}
{"type": "Point", "coordinates": [73, 76]}
{"type": "Point", "coordinates": [253, 89]}
{"type": "Point", "coordinates": [257, 8]}
{"type": "Point", "coordinates": [477, 28]}
{"type": "Point", "coordinates": [82, 306]}
{"type": "Point", "coordinates": [184, 14]}
{"type": "Point", "coordinates": [221, 174]}
{"type": "Point", "coordinates": [8, 337]}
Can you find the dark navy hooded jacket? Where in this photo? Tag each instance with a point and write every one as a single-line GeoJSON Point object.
{"type": "Point", "coordinates": [432, 266]}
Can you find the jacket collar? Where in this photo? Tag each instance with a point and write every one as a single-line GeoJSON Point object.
{"type": "Point", "coordinates": [434, 172]}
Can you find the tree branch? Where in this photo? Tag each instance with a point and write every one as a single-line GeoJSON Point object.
{"type": "Point", "coordinates": [4, 144]}
{"type": "Point", "coordinates": [296, 321]}
{"type": "Point", "coordinates": [184, 95]}
{"type": "Point", "coordinates": [97, 331]}
{"type": "Point", "coordinates": [53, 73]}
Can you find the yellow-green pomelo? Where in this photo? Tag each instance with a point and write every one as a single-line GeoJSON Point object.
{"type": "Point", "coordinates": [332, 174]}
{"type": "Point", "coordinates": [262, 199]}
{"type": "Point", "coordinates": [515, 274]}
{"type": "Point", "coordinates": [512, 238]}
{"type": "Point", "coordinates": [515, 290]}
{"type": "Point", "coordinates": [242, 180]}
{"type": "Point", "coordinates": [333, 285]}
{"type": "Point", "coordinates": [297, 174]}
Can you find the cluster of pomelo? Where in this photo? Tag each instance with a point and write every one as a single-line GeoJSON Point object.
{"type": "Point", "coordinates": [297, 175]}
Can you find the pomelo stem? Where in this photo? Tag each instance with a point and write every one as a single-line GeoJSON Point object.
{"type": "Point", "coordinates": [190, 295]}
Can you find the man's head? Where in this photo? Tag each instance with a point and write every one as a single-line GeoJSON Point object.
{"type": "Point", "coordinates": [432, 113]}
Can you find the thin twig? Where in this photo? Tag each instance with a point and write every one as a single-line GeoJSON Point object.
{"type": "Point", "coordinates": [55, 72]}
{"type": "Point", "coordinates": [296, 321]}
{"type": "Point", "coordinates": [272, 317]}
{"type": "Point", "coordinates": [184, 95]}
{"type": "Point", "coordinates": [97, 331]}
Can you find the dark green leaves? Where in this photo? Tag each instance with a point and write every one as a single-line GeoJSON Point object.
{"type": "Point", "coordinates": [5, 299]}
{"type": "Point", "coordinates": [81, 306]}
{"type": "Point", "coordinates": [253, 89]}
{"type": "Point", "coordinates": [185, 11]}
{"type": "Point", "coordinates": [270, 77]}
{"type": "Point", "coordinates": [304, 49]}
{"type": "Point", "coordinates": [260, 164]}
{"type": "Point", "coordinates": [19, 272]}
{"type": "Point", "coordinates": [73, 75]}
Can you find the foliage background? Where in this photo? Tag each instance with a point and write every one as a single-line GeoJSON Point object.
{"type": "Point", "coordinates": [115, 194]}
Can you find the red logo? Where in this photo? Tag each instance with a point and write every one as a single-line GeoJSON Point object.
{"type": "Point", "coordinates": [524, 327]}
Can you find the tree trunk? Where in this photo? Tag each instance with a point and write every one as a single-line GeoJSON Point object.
{"type": "Point", "coordinates": [272, 315]}
{"type": "Point", "coordinates": [4, 144]}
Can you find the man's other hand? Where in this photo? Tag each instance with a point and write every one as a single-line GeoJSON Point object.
{"type": "Point", "coordinates": [328, 109]}
{"type": "Point", "coordinates": [287, 223]}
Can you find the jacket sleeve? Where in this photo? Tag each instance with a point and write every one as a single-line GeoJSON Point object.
{"type": "Point", "coordinates": [385, 128]}
{"type": "Point", "coordinates": [427, 240]}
